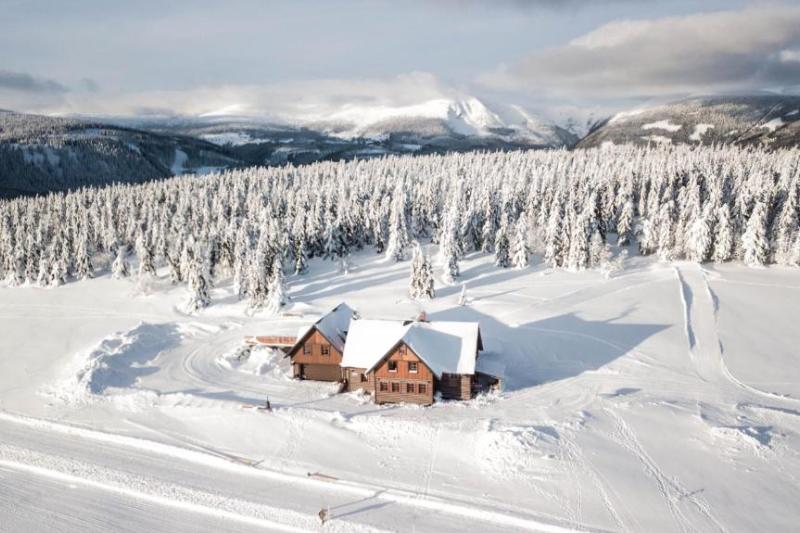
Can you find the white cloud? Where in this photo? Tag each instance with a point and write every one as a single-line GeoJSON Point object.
{"type": "Point", "coordinates": [289, 101]}
{"type": "Point", "coordinates": [732, 50]}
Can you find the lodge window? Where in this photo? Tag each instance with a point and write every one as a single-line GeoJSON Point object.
{"type": "Point", "coordinates": [410, 388]}
{"type": "Point", "coordinates": [392, 366]}
{"type": "Point", "coordinates": [412, 367]}
{"type": "Point", "coordinates": [384, 386]}
{"type": "Point", "coordinates": [395, 387]}
{"type": "Point", "coordinates": [402, 349]}
{"type": "Point", "coordinates": [423, 388]}
{"type": "Point", "coordinates": [326, 350]}
{"type": "Point", "coordinates": [306, 349]}
{"type": "Point", "coordinates": [363, 378]}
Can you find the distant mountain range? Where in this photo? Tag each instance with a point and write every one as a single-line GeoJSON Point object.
{"type": "Point", "coordinates": [40, 154]}
{"type": "Point", "coordinates": [771, 120]}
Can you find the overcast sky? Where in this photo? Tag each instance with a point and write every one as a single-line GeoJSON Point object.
{"type": "Point", "coordinates": [144, 56]}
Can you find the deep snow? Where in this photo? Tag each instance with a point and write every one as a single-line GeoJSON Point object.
{"type": "Point", "coordinates": [666, 398]}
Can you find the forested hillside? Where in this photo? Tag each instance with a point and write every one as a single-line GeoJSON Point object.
{"type": "Point", "coordinates": [574, 210]}
{"type": "Point", "coordinates": [42, 154]}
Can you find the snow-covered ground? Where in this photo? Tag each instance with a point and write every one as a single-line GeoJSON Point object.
{"type": "Point", "coordinates": [664, 399]}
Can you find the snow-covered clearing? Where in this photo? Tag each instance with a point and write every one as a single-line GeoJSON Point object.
{"type": "Point", "coordinates": [666, 398]}
{"type": "Point", "coordinates": [699, 131]}
{"type": "Point", "coordinates": [773, 124]}
{"type": "Point", "coordinates": [662, 125]}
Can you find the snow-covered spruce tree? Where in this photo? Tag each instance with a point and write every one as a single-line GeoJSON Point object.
{"type": "Point", "coordinates": [724, 240]}
{"type": "Point", "coordinates": [17, 275]}
{"type": "Point", "coordinates": [578, 258]}
{"type": "Point", "coordinates": [625, 224]}
{"type": "Point", "coordinates": [120, 268]}
{"type": "Point", "coordinates": [553, 243]}
{"type": "Point", "coordinates": [174, 265]}
{"type": "Point", "coordinates": [698, 243]}
{"type": "Point", "coordinates": [83, 258]}
{"type": "Point", "coordinates": [197, 285]}
{"type": "Point", "coordinates": [300, 256]}
{"type": "Point", "coordinates": [146, 255]}
{"type": "Point", "coordinates": [666, 236]}
{"type": "Point", "coordinates": [794, 257]}
{"type": "Point", "coordinates": [501, 244]}
{"type": "Point", "coordinates": [259, 274]}
{"type": "Point", "coordinates": [754, 240]}
{"type": "Point", "coordinates": [421, 285]}
{"type": "Point", "coordinates": [519, 244]}
{"type": "Point", "coordinates": [787, 225]}
{"type": "Point", "coordinates": [398, 233]}
{"type": "Point", "coordinates": [597, 249]}
{"type": "Point", "coordinates": [450, 269]}
{"type": "Point", "coordinates": [58, 267]}
{"type": "Point", "coordinates": [276, 297]}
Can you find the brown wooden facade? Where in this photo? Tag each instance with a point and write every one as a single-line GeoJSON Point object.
{"type": "Point", "coordinates": [315, 358]}
{"type": "Point", "coordinates": [401, 377]}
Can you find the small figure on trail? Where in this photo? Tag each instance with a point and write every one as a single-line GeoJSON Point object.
{"type": "Point", "coordinates": [323, 515]}
{"type": "Point", "coordinates": [268, 406]}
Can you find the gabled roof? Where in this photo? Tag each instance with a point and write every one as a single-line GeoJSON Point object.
{"type": "Point", "coordinates": [332, 325]}
{"type": "Point", "coordinates": [445, 347]}
{"type": "Point", "coordinates": [369, 340]}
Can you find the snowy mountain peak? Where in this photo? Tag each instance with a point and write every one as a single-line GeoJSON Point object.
{"type": "Point", "coordinates": [467, 116]}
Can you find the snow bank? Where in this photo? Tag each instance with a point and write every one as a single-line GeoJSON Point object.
{"type": "Point", "coordinates": [256, 360]}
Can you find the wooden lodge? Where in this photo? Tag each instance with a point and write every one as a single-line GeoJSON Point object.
{"type": "Point", "coordinates": [412, 361]}
{"type": "Point", "coordinates": [395, 361]}
{"type": "Point", "coordinates": [317, 353]}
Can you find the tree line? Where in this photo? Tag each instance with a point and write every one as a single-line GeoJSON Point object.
{"type": "Point", "coordinates": [573, 209]}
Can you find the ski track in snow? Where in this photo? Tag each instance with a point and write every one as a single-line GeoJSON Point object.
{"type": "Point", "coordinates": [706, 349]}
{"type": "Point", "coordinates": [191, 499]}
{"type": "Point", "coordinates": [673, 493]}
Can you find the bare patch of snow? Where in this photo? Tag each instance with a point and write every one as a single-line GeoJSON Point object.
{"type": "Point", "coordinates": [699, 131]}
{"type": "Point", "coordinates": [662, 125]}
{"type": "Point", "coordinates": [773, 124]}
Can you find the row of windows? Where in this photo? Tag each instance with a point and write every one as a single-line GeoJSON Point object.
{"type": "Point", "coordinates": [324, 349]}
{"type": "Point", "coordinates": [409, 388]}
{"type": "Point", "coordinates": [412, 366]}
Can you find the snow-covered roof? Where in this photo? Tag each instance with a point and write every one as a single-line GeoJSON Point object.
{"type": "Point", "coordinates": [369, 340]}
{"type": "Point", "coordinates": [333, 326]}
{"type": "Point", "coordinates": [445, 347]}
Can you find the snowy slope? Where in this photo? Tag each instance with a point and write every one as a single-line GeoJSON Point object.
{"type": "Point", "coordinates": [773, 120]}
{"type": "Point", "coordinates": [663, 399]}
{"type": "Point", "coordinates": [465, 117]}
{"type": "Point", "coordinates": [40, 154]}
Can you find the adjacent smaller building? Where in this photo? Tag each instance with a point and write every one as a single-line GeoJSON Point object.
{"type": "Point", "coordinates": [317, 353]}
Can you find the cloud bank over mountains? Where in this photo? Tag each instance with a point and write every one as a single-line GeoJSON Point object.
{"type": "Point", "coordinates": [735, 50]}
{"type": "Point", "coordinates": [589, 62]}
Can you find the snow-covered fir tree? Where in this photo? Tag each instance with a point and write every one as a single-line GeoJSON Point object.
{"type": "Point", "coordinates": [198, 285]}
{"type": "Point", "coordinates": [755, 245]}
{"type": "Point", "coordinates": [276, 297]}
{"type": "Point", "coordinates": [398, 233]}
{"type": "Point", "coordinates": [421, 284]}
{"type": "Point", "coordinates": [519, 244]}
{"type": "Point", "coordinates": [121, 268]}
{"type": "Point", "coordinates": [502, 244]}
